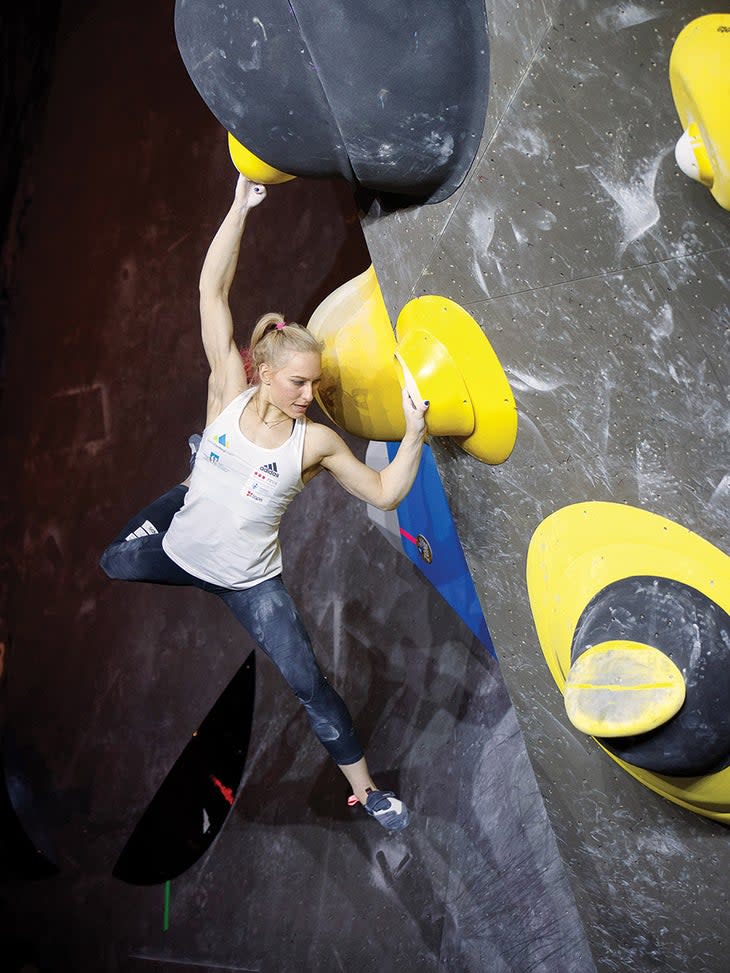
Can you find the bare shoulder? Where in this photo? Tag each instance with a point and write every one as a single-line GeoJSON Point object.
{"type": "Point", "coordinates": [324, 437]}
{"type": "Point", "coordinates": [320, 442]}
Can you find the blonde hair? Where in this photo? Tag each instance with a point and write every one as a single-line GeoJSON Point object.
{"type": "Point", "coordinates": [275, 340]}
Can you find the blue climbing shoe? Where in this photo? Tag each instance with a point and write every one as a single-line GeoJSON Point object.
{"type": "Point", "coordinates": [387, 809]}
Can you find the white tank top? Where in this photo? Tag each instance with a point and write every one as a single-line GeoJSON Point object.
{"type": "Point", "coordinates": [227, 531]}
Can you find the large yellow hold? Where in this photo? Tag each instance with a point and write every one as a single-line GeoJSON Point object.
{"type": "Point", "coordinates": [438, 352]}
{"type": "Point", "coordinates": [583, 548]}
{"type": "Point", "coordinates": [699, 73]}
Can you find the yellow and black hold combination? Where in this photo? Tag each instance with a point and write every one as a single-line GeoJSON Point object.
{"type": "Point", "coordinates": [390, 96]}
{"type": "Point", "coordinates": [633, 616]}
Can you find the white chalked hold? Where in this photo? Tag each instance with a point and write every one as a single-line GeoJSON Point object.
{"type": "Point", "coordinates": [620, 688]}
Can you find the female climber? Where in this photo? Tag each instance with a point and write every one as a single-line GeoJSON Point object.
{"type": "Point", "coordinates": [219, 530]}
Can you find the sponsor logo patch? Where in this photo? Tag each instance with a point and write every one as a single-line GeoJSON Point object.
{"type": "Point", "coordinates": [261, 486]}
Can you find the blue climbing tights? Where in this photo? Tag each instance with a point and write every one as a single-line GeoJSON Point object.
{"type": "Point", "coordinates": [265, 610]}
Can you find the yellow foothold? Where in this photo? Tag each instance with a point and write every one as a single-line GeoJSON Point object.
{"type": "Point", "coordinates": [252, 167]}
{"type": "Point", "coordinates": [621, 688]}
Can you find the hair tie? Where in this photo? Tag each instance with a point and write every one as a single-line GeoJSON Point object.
{"type": "Point", "coordinates": [280, 325]}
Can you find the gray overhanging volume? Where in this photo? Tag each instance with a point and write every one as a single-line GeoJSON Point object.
{"type": "Point", "coordinates": [392, 97]}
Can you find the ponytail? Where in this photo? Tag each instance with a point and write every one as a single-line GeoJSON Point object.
{"type": "Point", "coordinates": [275, 340]}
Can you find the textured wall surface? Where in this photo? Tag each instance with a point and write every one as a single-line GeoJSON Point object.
{"type": "Point", "coordinates": [600, 275]}
{"type": "Point", "coordinates": [106, 681]}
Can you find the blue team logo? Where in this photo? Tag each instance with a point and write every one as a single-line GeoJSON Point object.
{"type": "Point", "coordinates": [214, 457]}
{"type": "Point", "coordinates": [222, 441]}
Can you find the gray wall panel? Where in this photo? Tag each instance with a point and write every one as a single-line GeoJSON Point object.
{"type": "Point", "coordinates": [599, 273]}
{"type": "Point", "coordinates": [516, 32]}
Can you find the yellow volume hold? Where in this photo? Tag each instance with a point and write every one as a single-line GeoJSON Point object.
{"type": "Point", "coordinates": [438, 353]}
{"type": "Point", "coordinates": [699, 74]}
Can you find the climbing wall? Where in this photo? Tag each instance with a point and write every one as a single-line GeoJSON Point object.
{"type": "Point", "coordinates": [105, 682]}
{"type": "Point", "coordinates": [599, 273]}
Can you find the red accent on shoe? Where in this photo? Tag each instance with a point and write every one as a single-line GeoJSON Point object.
{"type": "Point", "coordinates": [352, 800]}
